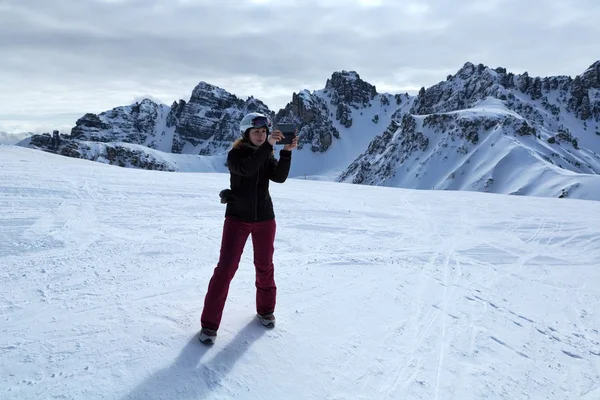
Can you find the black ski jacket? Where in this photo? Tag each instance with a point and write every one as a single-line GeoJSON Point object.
{"type": "Point", "coordinates": [250, 169]}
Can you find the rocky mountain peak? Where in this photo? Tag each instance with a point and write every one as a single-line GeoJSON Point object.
{"type": "Point", "coordinates": [591, 77]}
{"type": "Point", "coordinates": [470, 71]}
{"type": "Point", "coordinates": [466, 71]}
{"type": "Point", "coordinates": [474, 83]}
{"type": "Point", "coordinates": [133, 123]}
{"type": "Point", "coordinates": [339, 77]}
{"type": "Point", "coordinates": [210, 95]}
{"type": "Point", "coordinates": [253, 104]}
{"type": "Point", "coordinates": [145, 104]}
{"type": "Point", "coordinates": [311, 114]}
{"type": "Point", "coordinates": [470, 84]}
{"type": "Point", "coordinates": [209, 121]}
{"type": "Point", "coordinates": [347, 87]}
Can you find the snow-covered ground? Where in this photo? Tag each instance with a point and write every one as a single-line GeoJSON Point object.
{"type": "Point", "coordinates": [383, 293]}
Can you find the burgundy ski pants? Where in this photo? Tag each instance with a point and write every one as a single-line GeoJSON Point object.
{"type": "Point", "coordinates": [235, 235]}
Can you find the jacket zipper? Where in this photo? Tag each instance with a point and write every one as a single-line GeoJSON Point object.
{"type": "Point", "coordinates": [256, 196]}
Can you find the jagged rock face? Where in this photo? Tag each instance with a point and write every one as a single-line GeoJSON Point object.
{"type": "Point", "coordinates": [175, 113]}
{"type": "Point", "coordinates": [365, 169]}
{"type": "Point", "coordinates": [207, 124]}
{"type": "Point", "coordinates": [347, 87]}
{"type": "Point", "coordinates": [386, 152]}
{"type": "Point", "coordinates": [469, 85]}
{"type": "Point", "coordinates": [584, 99]}
{"type": "Point", "coordinates": [311, 114]}
{"type": "Point", "coordinates": [591, 77]}
{"type": "Point", "coordinates": [211, 119]}
{"type": "Point", "coordinates": [347, 91]}
{"type": "Point", "coordinates": [456, 128]}
{"type": "Point", "coordinates": [473, 83]}
{"type": "Point", "coordinates": [114, 154]}
{"type": "Point", "coordinates": [108, 153]}
{"type": "Point", "coordinates": [41, 140]}
{"type": "Point", "coordinates": [130, 124]}
{"type": "Point", "coordinates": [314, 113]}
{"type": "Point", "coordinates": [90, 126]}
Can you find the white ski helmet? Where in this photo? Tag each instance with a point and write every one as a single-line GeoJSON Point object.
{"type": "Point", "coordinates": [254, 120]}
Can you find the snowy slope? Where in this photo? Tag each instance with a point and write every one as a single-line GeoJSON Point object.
{"type": "Point", "coordinates": [482, 148]}
{"type": "Point", "coordinates": [384, 293]}
{"type": "Point", "coordinates": [163, 135]}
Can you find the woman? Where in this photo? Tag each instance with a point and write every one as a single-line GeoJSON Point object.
{"type": "Point", "coordinates": [249, 211]}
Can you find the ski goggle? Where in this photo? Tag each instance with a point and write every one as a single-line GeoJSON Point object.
{"type": "Point", "coordinates": [259, 122]}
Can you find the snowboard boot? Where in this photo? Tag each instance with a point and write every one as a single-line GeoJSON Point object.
{"type": "Point", "coordinates": [208, 336]}
{"type": "Point", "coordinates": [267, 319]}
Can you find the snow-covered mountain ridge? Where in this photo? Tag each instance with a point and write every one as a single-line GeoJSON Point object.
{"type": "Point", "coordinates": [481, 129]}
{"type": "Point", "coordinates": [489, 130]}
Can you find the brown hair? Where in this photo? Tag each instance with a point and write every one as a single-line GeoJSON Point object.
{"type": "Point", "coordinates": [245, 141]}
{"type": "Point", "coordinates": [238, 142]}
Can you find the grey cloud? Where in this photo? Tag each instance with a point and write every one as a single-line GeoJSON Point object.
{"type": "Point", "coordinates": [12, 138]}
{"type": "Point", "coordinates": [291, 45]}
{"type": "Point", "coordinates": [151, 38]}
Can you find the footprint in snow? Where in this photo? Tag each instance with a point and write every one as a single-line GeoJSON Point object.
{"type": "Point", "coordinates": [573, 355]}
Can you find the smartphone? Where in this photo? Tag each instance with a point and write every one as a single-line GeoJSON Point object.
{"type": "Point", "coordinates": [289, 133]}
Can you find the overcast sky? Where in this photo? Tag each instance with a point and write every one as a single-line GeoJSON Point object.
{"type": "Point", "coordinates": [62, 58]}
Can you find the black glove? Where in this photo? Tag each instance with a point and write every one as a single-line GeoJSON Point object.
{"type": "Point", "coordinates": [224, 195]}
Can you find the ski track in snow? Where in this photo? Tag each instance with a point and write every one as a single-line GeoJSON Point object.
{"type": "Point", "coordinates": [383, 293]}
